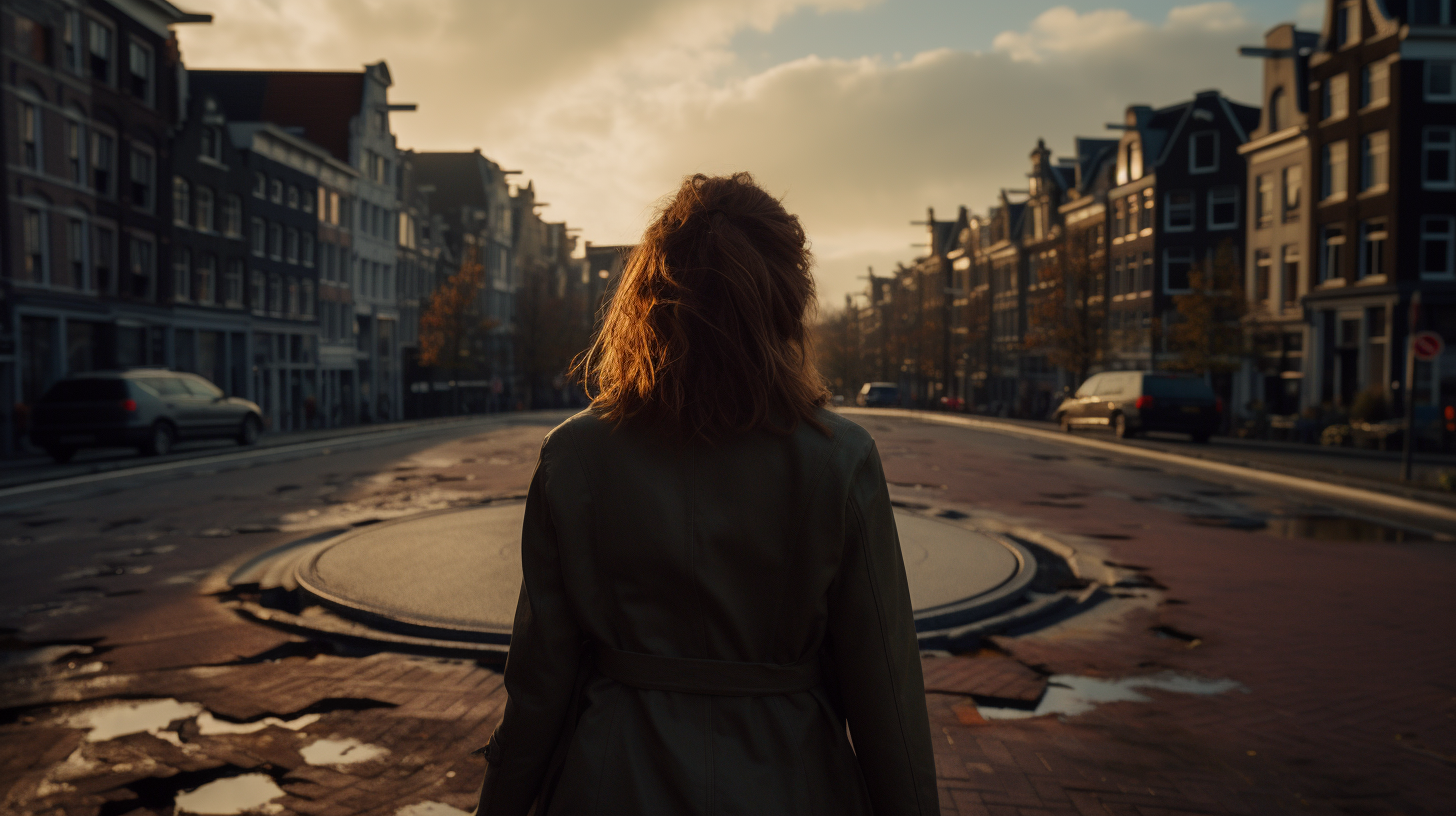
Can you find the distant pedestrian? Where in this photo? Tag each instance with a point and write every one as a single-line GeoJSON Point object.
{"type": "Point", "coordinates": [713, 582]}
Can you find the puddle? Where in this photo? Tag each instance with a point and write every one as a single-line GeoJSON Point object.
{"type": "Point", "coordinates": [340, 752]}
{"type": "Point", "coordinates": [208, 725]}
{"type": "Point", "coordinates": [1070, 694]}
{"type": "Point", "coordinates": [119, 719]}
{"type": "Point", "coordinates": [430, 809]}
{"type": "Point", "coordinates": [1344, 528]}
{"type": "Point", "coordinates": [249, 793]}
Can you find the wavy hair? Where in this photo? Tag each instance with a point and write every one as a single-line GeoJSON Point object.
{"type": "Point", "coordinates": [707, 331]}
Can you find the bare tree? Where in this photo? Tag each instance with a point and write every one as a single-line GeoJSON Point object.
{"type": "Point", "coordinates": [1205, 334]}
{"type": "Point", "coordinates": [1067, 313]}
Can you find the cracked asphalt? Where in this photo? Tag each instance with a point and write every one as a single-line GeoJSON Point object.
{"type": "Point", "coordinates": [1253, 651]}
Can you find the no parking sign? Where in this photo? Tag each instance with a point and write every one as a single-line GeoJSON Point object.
{"type": "Point", "coordinates": [1427, 345]}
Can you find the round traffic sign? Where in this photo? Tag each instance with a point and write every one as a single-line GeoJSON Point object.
{"type": "Point", "coordinates": [1427, 345]}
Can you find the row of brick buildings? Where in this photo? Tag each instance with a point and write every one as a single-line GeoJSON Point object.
{"type": "Point", "coordinates": [1319, 214]}
{"type": "Point", "coordinates": [261, 228]}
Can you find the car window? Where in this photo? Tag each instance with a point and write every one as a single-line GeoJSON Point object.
{"type": "Point", "coordinates": [201, 388]}
{"type": "Point", "coordinates": [1090, 386]}
{"type": "Point", "coordinates": [85, 390]}
{"type": "Point", "coordinates": [1110, 385]}
{"type": "Point", "coordinates": [165, 386]}
{"type": "Point", "coordinates": [1177, 388]}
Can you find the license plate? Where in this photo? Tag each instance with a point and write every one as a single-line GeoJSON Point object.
{"type": "Point", "coordinates": [1191, 409]}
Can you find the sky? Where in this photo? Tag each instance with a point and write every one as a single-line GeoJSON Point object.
{"type": "Point", "coordinates": [859, 114]}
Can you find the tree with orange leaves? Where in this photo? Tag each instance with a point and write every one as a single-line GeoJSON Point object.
{"type": "Point", "coordinates": [453, 329]}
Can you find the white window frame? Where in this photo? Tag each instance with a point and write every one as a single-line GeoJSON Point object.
{"type": "Point", "coordinates": [1224, 194]}
{"type": "Point", "coordinates": [32, 138]}
{"type": "Point", "coordinates": [233, 297]}
{"type": "Point", "coordinates": [145, 269]}
{"type": "Point", "coordinates": [76, 141]}
{"type": "Point", "coordinates": [181, 202]}
{"type": "Point", "coordinates": [1449, 237]}
{"type": "Point", "coordinates": [258, 286]}
{"type": "Point", "coordinates": [306, 249]}
{"type": "Point", "coordinates": [72, 36]}
{"type": "Point", "coordinates": [290, 245]}
{"type": "Point", "coordinates": [206, 283]}
{"type": "Point", "coordinates": [1427, 80]}
{"type": "Point", "coordinates": [94, 27]}
{"type": "Point", "coordinates": [259, 243]}
{"type": "Point", "coordinates": [181, 273]}
{"type": "Point", "coordinates": [1448, 146]}
{"type": "Point", "coordinates": [232, 215]}
{"type": "Point", "coordinates": [275, 241]}
{"type": "Point", "coordinates": [1266, 200]}
{"type": "Point", "coordinates": [1168, 260]}
{"type": "Point", "coordinates": [36, 235]}
{"type": "Point", "coordinates": [1193, 166]}
{"type": "Point", "coordinates": [204, 209]}
{"type": "Point", "coordinates": [1169, 209]}
{"type": "Point", "coordinates": [1326, 240]}
{"type": "Point", "coordinates": [81, 278]}
{"type": "Point", "coordinates": [97, 143]}
{"type": "Point", "coordinates": [134, 49]}
{"type": "Point", "coordinates": [1382, 235]}
{"type": "Point", "coordinates": [1334, 186]}
{"type": "Point", "coordinates": [275, 191]}
{"type": "Point", "coordinates": [151, 182]}
{"type": "Point", "coordinates": [260, 185]}
{"type": "Point", "coordinates": [293, 196]}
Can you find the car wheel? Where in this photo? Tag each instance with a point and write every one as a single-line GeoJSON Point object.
{"type": "Point", "coordinates": [1201, 438]}
{"type": "Point", "coordinates": [1066, 423]}
{"type": "Point", "coordinates": [61, 454]}
{"type": "Point", "coordinates": [251, 430]}
{"type": "Point", "coordinates": [1120, 427]}
{"type": "Point", "coordinates": [163, 435]}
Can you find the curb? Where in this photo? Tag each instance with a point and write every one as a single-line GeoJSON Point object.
{"type": "Point", "coordinates": [1326, 490]}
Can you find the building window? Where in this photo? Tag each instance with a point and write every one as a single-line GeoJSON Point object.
{"type": "Point", "coordinates": [76, 253]}
{"type": "Point", "coordinates": [306, 249]}
{"type": "Point", "coordinates": [1372, 247]}
{"type": "Point", "coordinates": [234, 284]}
{"type": "Point", "coordinates": [35, 246]}
{"type": "Point", "coordinates": [1375, 161]}
{"type": "Point", "coordinates": [1335, 97]}
{"type": "Point", "coordinates": [1431, 12]}
{"type": "Point", "coordinates": [306, 202]}
{"type": "Point", "coordinates": [1293, 191]}
{"type": "Point", "coordinates": [1276, 115]}
{"type": "Point", "coordinates": [1440, 81]}
{"type": "Point", "coordinates": [1335, 167]}
{"type": "Point", "coordinates": [275, 241]}
{"type": "Point", "coordinates": [139, 73]}
{"type": "Point", "coordinates": [232, 216]}
{"type": "Point", "coordinates": [305, 306]}
{"type": "Point", "coordinates": [103, 259]}
{"type": "Point", "coordinates": [182, 273]}
{"type": "Point", "coordinates": [1134, 214]}
{"type": "Point", "coordinates": [1179, 210]}
{"type": "Point", "coordinates": [1134, 160]}
{"type": "Point", "coordinates": [1119, 217]}
{"type": "Point", "coordinates": [141, 180]}
{"type": "Point", "coordinates": [1264, 200]}
{"type": "Point", "coordinates": [143, 267]}
{"type": "Point", "coordinates": [292, 196]}
{"type": "Point", "coordinates": [181, 201]}
{"type": "Point", "coordinates": [1223, 208]}
{"type": "Point", "coordinates": [1332, 245]}
{"type": "Point", "coordinates": [1437, 234]}
{"type": "Point", "coordinates": [103, 162]}
{"type": "Point", "coordinates": [30, 136]}
{"type": "Point", "coordinates": [206, 274]}
{"type": "Point", "coordinates": [1203, 152]}
{"type": "Point", "coordinates": [1145, 217]}
{"type": "Point", "coordinates": [203, 209]}
{"type": "Point", "coordinates": [1289, 276]}
{"type": "Point", "coordinates": [275, 293]}
{"type": "Point", "coordinates": [71, 41]}
{"type": "Point", "coordinates": [211, 144]}
{"type": "Point", "coordinates": [292, 306]}
{"type": "Point", "coordinates": [260, 185]}
{"type": "Point", "coordinates": [1263, 265]}
{"type": "Point", "coordinates": [1177, 264]}
{"type": "Point", "coordinates": [259, 293]}
{"type": "Point", "coordinates": [1438, 165]}
{"type": "Point", "coordinates": [1375, 84]}
{"type": "Point", "coordinates": [76, 152]}
{"type": "Point", "coordinates": [275, 191]}
{"type": "Point", "coordinates": [291, 246]}
{"type": "Point", "coordinates": [99, 39]}
{"type": "Point", "coordinates": [1347, 25]}
{"type": "Point", "coordinates": [260, 237]}
{"type": "Point", "coordinates": [334, 209]}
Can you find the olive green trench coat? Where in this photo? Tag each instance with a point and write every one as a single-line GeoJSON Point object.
{"type": "Point", "coordinates": [768, 549]}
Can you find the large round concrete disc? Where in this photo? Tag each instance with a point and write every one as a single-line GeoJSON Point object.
{"type": "Point", "coordinates": [462, 569]}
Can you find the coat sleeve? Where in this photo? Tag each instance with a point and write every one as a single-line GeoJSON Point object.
{"type": "Point", "coordinates": [876, 655]}
{"type": "Point", "coordinates": [541, 667]}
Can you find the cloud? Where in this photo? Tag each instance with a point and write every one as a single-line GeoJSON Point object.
{"type": "Point", "coordinates": [606, 110]}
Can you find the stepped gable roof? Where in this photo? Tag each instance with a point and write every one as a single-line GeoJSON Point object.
{"type": "Point", "coordinates": [322, 103]}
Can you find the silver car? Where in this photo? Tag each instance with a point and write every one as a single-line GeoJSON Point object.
{"type": "Point", "coordinates": [148, 409]}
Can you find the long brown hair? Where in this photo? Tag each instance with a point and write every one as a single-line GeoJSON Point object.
{"type": "Point", "coordinates": [707, 333]}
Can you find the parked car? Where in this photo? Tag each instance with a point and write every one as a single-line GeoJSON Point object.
{"type": "Point", "coordinates": [144, 408]}
{"type": "Point", "coordinates": [1133, 402]}
{"type": "Point", "coordinates": [878, 395]}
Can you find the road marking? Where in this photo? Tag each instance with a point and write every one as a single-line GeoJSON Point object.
{"type": "Point", "coordinates": [1333, 491]}
{"type": "Point", "coordinates": [240, 456]}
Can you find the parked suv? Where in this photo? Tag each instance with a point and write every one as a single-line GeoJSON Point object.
{"type": "Point", "coordinates": [1132, 402]}
{"type": "Point", "coordinates": [144, 408]}
{"type": "Point", "coordinates": [878, 395]}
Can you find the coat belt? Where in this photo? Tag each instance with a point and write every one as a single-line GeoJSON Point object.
{"type": "Point", "coordinates": [714, 677]}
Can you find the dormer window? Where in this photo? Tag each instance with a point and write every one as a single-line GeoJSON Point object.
{"type": "Point", "coordinates": [1203, 152]}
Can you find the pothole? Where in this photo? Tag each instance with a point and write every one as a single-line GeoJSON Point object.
{"type": "Point", "coordinates": [1070, 695]}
